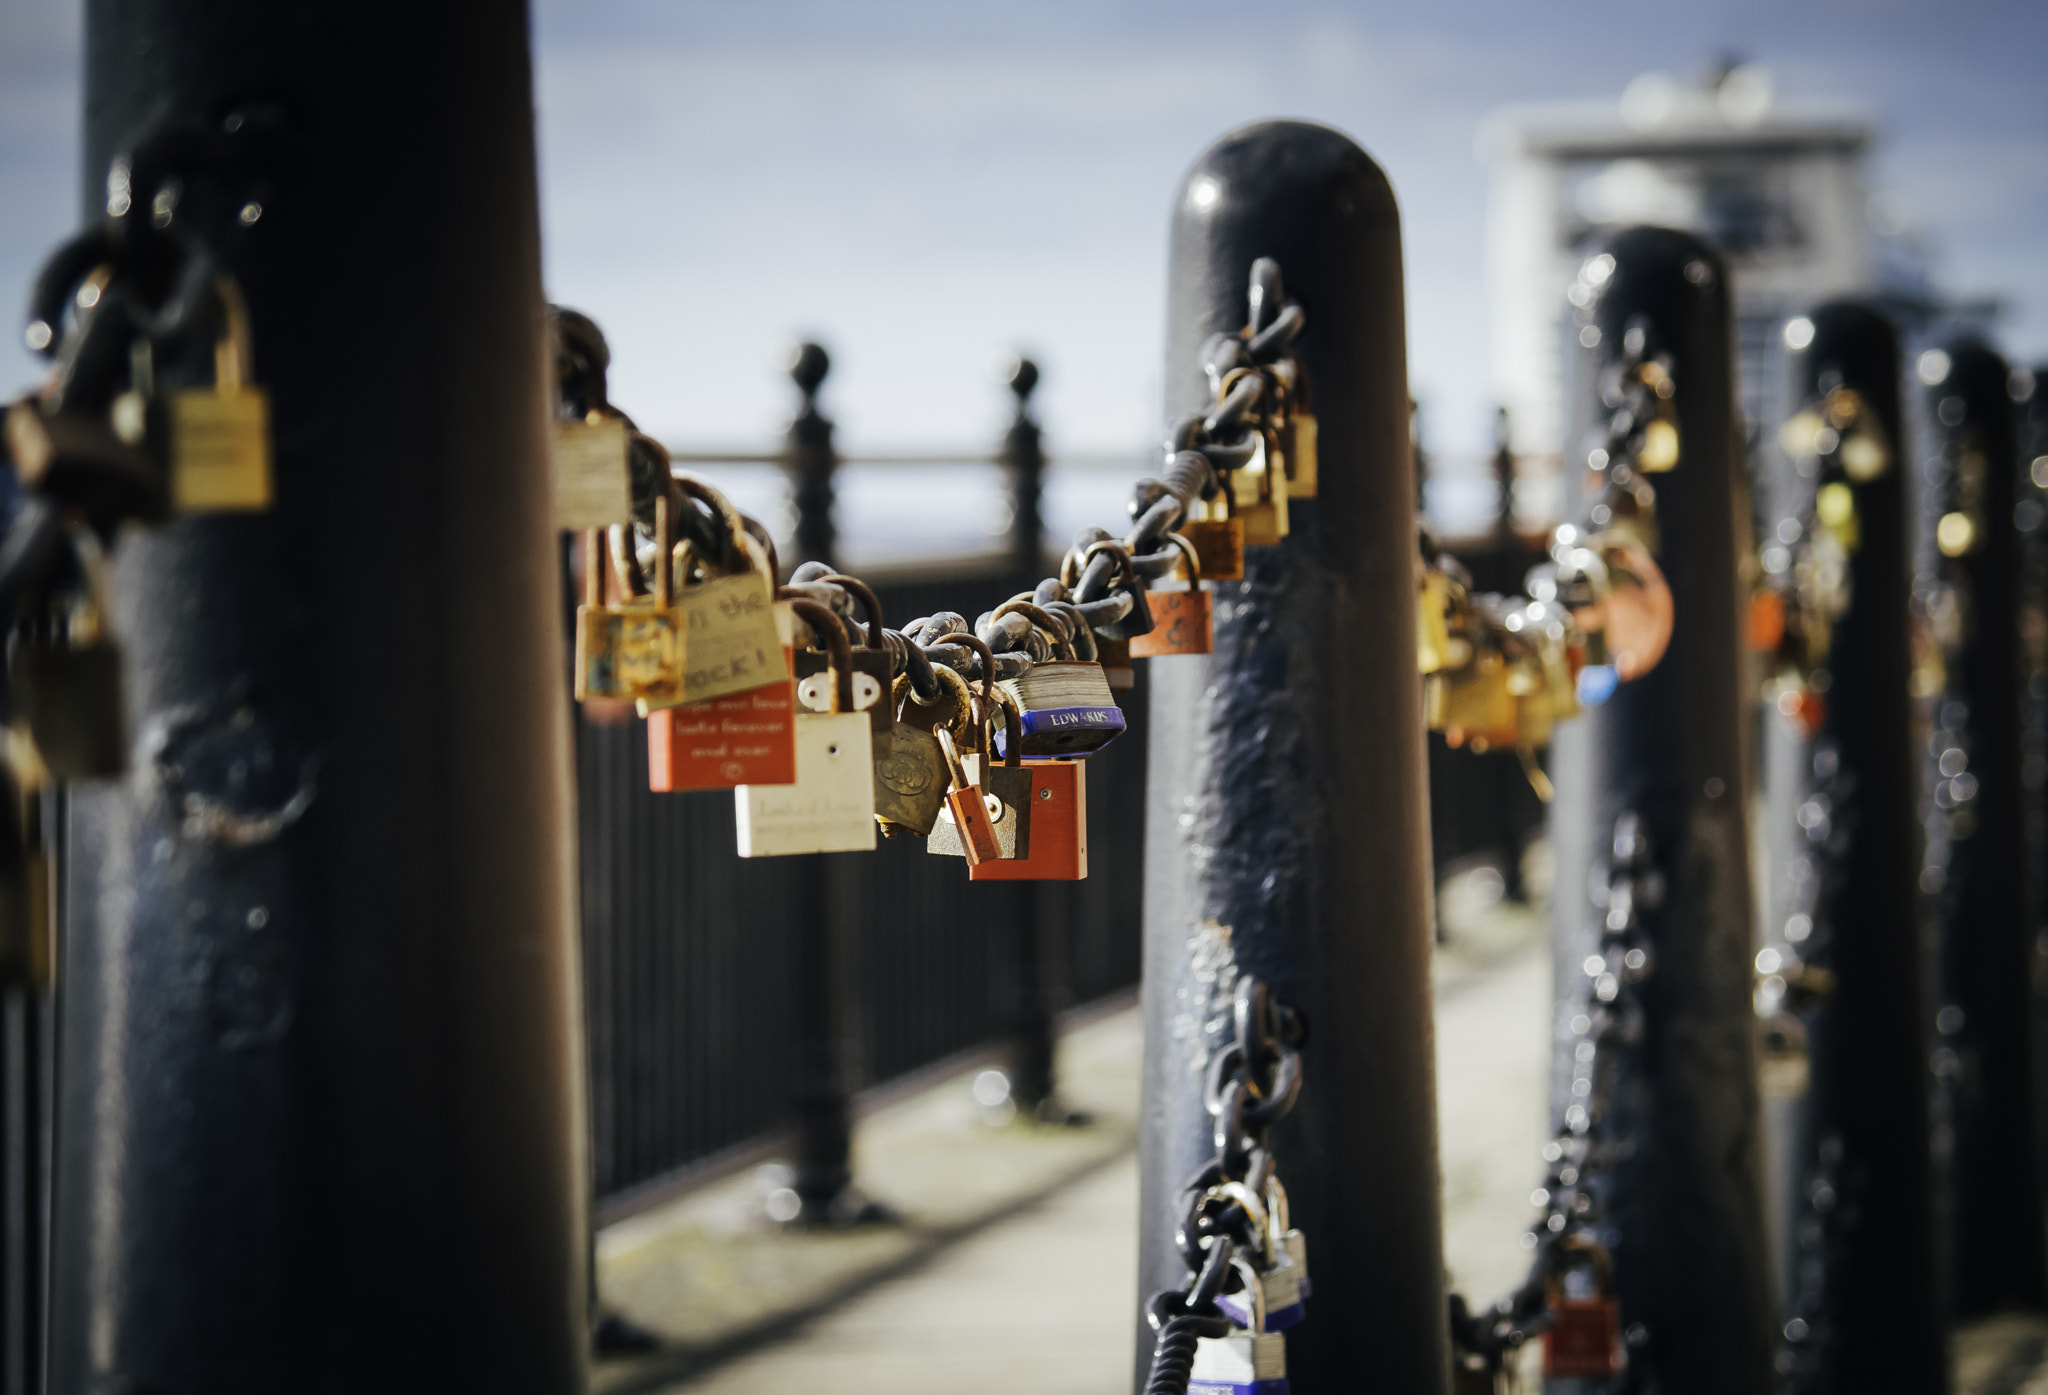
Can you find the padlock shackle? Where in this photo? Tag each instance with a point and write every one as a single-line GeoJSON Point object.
{"type": "Point", "coordinates": [825, 624]}
{"type": "Point", "coordinates": [870, 605]}
{"type": "Point", "coordinates": [729, 517]}
{"type": "Point", "coordinates": [234, 349]}
{"type": "Point", "coordinates": [1063, 644]}
{"type": "Point", "coordinates": [1013, 730]}
{"type": "Point", "coordinates": [1578, 1251]}
{"type": "Point", "coordinates": [596, 557]}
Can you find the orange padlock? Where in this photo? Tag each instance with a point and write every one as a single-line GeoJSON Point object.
{"type": "Point", "coordinates": [1181, 620]}
{"type": "Point", "coordinates": [1059, 829]}
{"type": "Point", "coordinates": [742, 739]}
{"type": "Point", "coordinates": [1585, 1340]}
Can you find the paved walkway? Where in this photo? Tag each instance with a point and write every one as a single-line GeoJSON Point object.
{"type": "Point", "coordinates": [1013, 1273]}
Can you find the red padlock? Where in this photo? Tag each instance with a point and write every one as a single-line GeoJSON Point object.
{"type": "Point", "coordinates": [1585, 1340]}
{"type": "Point", "coordinates": [1059, 829]}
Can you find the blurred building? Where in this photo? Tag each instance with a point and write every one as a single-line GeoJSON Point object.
{"type": "Point", "coordinates": [1777, 186]}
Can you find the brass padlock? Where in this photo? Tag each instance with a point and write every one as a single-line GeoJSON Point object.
{"type": "Point", "coordinates": [65, 672]}
{"type": "Point", "coordinates": [910, 767]}
{"type": "Point", "coordinates": [1258, 498]}
{"type": "Point", "coordinates": [1182, 622]}
{"type": "Point", "coordinates": [1584, 1342]}
{"type": "Point", "coordinates": [632, 650]}
{"type": "Point", "coordinates": [1473, 705]}
{"type": "Point", "coordinates": [1218, 539]}
{"type": "Point", "coordinates": [217, 439]}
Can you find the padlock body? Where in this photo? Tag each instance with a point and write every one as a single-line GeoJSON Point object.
{"type": "Point", "coordinates": [1066, 708]}
{"type": "Point", "coordinates": [219, 450]}
{"type": "Point", "coordinates": [1059, 828]}
{"type": "Point", "coordinates": [593, 479]}
{"type": "Point", "coordinates": [1182, 623]}
{"type": "Point", "coordinates": [72, 701]}
{"type": "Point", "coordinates": [629, 652]}
{"type": "Point", "coordinates": [1009, 787]}
{"type": "Point", "coordinates": [830, 807]}
{"type": "Point", "coordinates": [743, 739]}
{"type": "Point", "coordinates": [1585, 1340]}
{"type": "Point", "coordinates": [910, 778]}
{"type": "Point", "coordinates": [1283, 1301]}
{"type": "Point", "coordinates": [1219, 547]}
{"type": "Point", "coordinates": [1243, 1363]}
{"type": "Point", "coordinates": [731, 642]}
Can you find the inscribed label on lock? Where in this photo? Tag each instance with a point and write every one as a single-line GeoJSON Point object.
{"type": "Point", "coordinates": [220, 451]}
{"type": "Point", "coordinates": [730, 644]}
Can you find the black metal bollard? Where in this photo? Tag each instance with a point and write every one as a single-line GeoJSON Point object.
{"type": "Point", "coordinates": [1678, 1197]}
{"type": "Point", "coordinates": [1849, 1133]}
{"type": "Point", "coordinates": [322, 1092]}
{"type": "Point", "coordinates": [2030, 516]}
{"type": "Point", "coordinates": [811, 460]}
{"type": "Point", "coordinates": [1976, 846]}
{"type": "Point", "coordinates": [1284, 837]}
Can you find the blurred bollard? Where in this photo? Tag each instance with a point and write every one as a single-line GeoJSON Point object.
{"type": "Point", "coordinates": [2030, 516]}
{"type": "Point", "coordinates": [1652, 790]}
{"type": "Point", "coordinates": [1842, 996]}
{"type": "Point", "coordinates": [322, 1120]}
{"type": "Point", "coordinates": [1976, 851]}
{"type": "Point", "coordinates": [811, 462]}
{"type": "Point", "coordinates": [1284, 834]}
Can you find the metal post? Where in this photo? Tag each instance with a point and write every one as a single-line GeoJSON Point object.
{"type": "Point", "coordinates": [1976, 847]}
{"type": "Point", "coordinates": [1678, 1196]}
{"type": "Point", "coordinates": [812, 461]}
{"type": "Point", "coordinates": [2030, 516]}
{"type": "Point", "coordinates": [1023, 457]}
{"type": "Point", "coordinates": [822, 1160]}
{"type": "Point", "coordinates": [322, 1094]}
{"type": "Point", "coordinates": [1284, 833]}
{"type": "Point", "coordinates": [1856, 1254]}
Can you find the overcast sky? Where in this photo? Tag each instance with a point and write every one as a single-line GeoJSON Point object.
{"type": "Point", "coordinates": [927, 186]}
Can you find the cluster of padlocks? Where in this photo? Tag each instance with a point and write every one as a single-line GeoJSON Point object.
{"type": "Point", "coordinates": [833, 729]}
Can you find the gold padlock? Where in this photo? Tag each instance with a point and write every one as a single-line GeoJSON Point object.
{"type": "Point", "coordinates": [219, 437]}
{"type": "Point", "coordinates": [632, 649]}
{"type": "Point", "coordinates": [1432, 622]}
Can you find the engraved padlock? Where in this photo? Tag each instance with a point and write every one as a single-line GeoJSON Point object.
{"type": "Point", "coordinates": [830, 806]}
{"type": "Point", "coordinates": [729, 639]}
{"type": "Point", "coordinates": [1584, 1341]}
{"type": "Point", "coordinates": [744, 738]}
